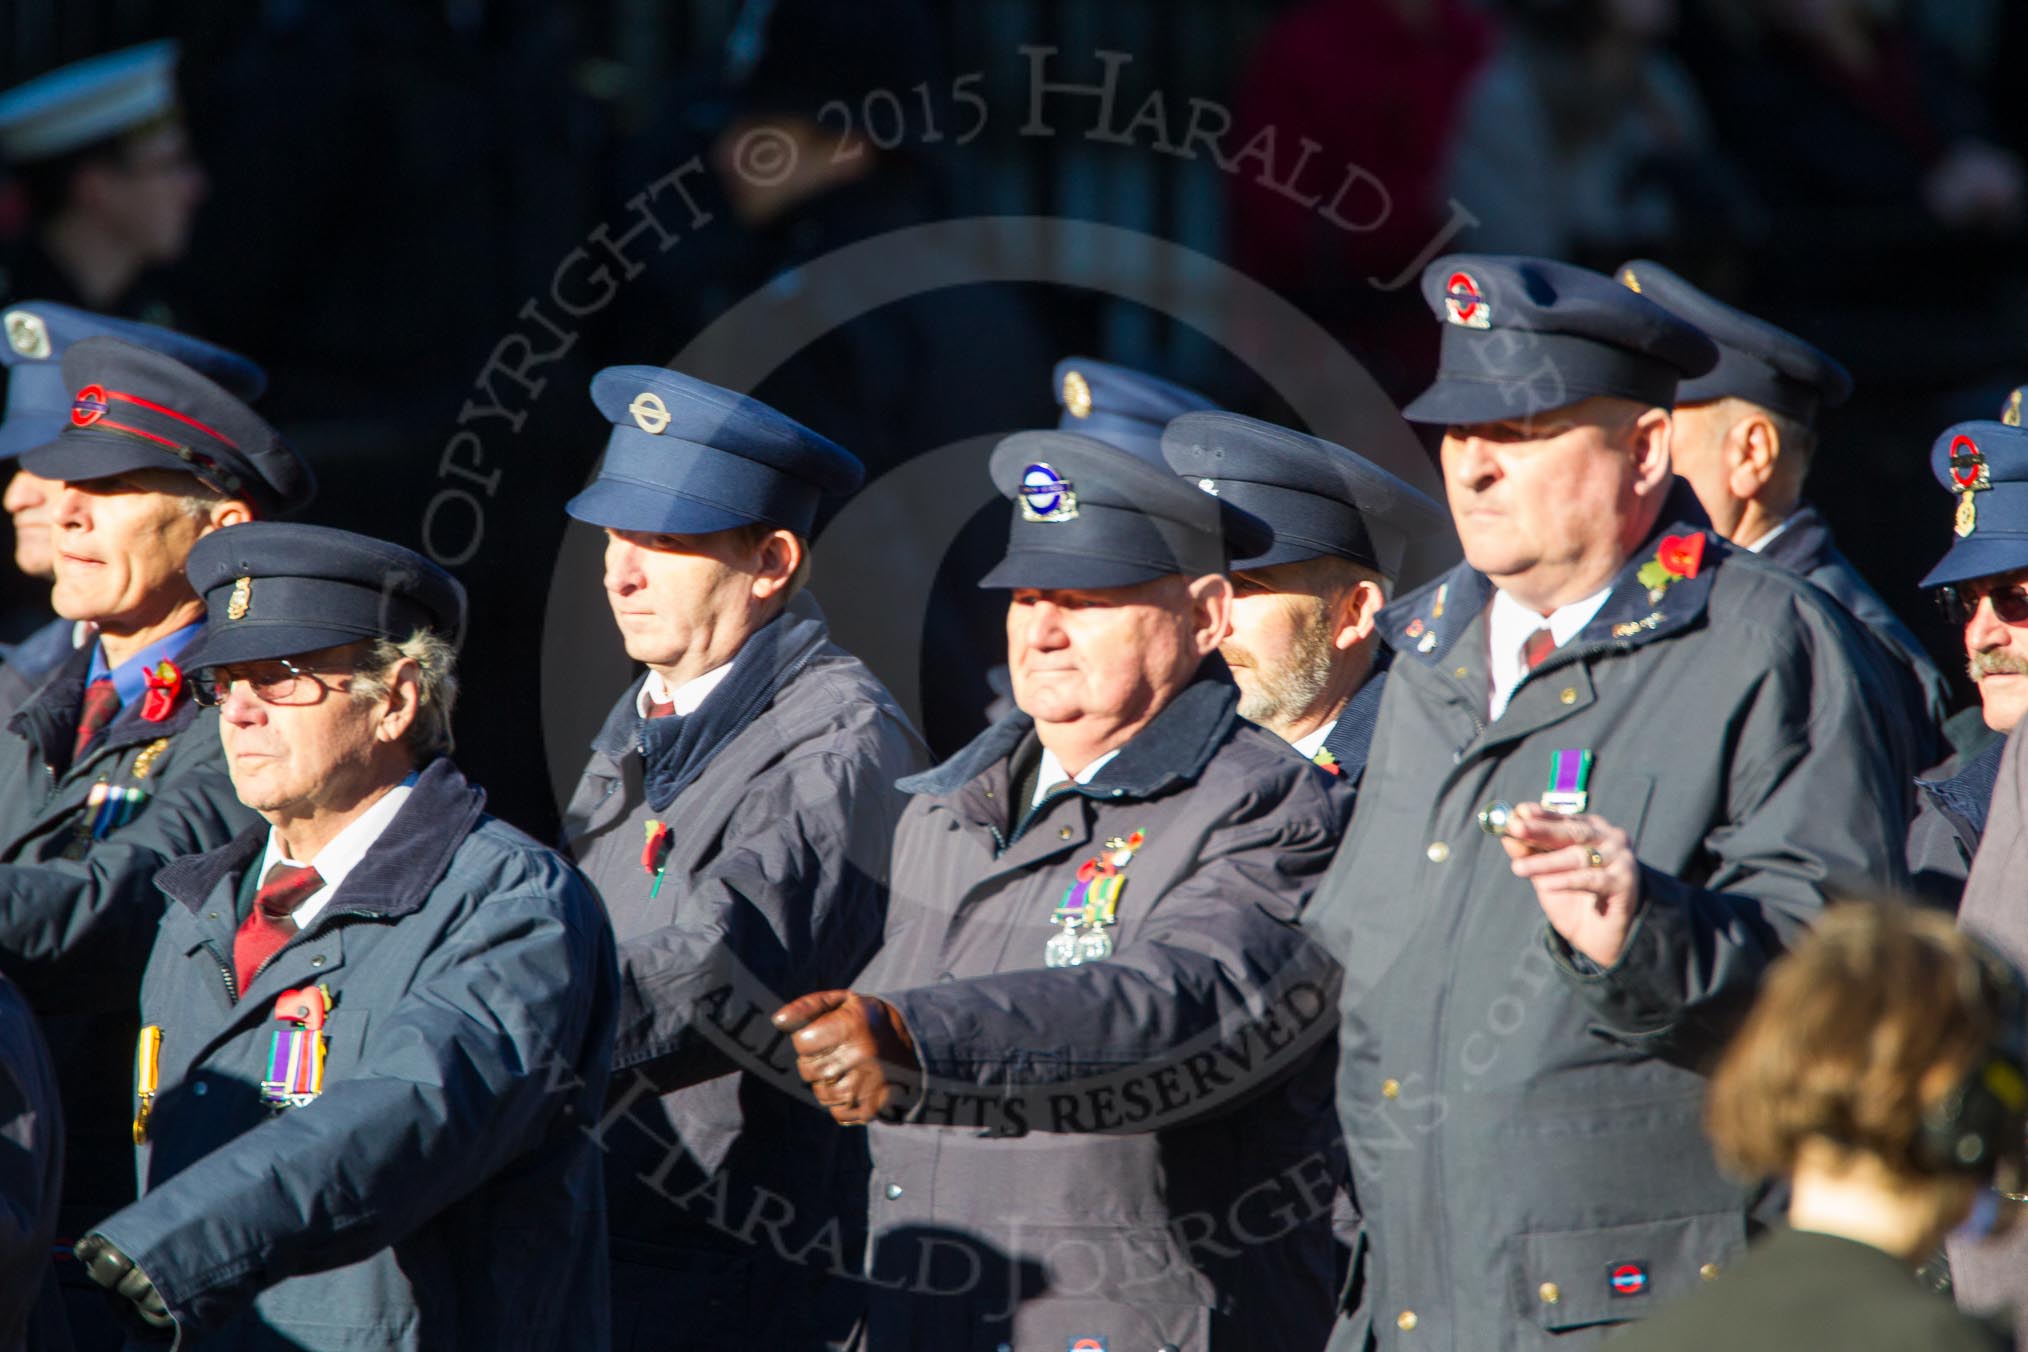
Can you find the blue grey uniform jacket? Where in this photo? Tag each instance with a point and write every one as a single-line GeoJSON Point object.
{"type": "Point", "coordinates": [1351, 737]}
{"type": "Point", "coordinates": [31, 1169]}
{"type": "Point", "coordinates": [1950, 816]}
{"type": "Point", "coordinates": [1522, 1124]}
{"type": "Point", "coordinates": [24, 666]}
{"type": "Point", "coordinates": [79, 849]}
{"type": "Point", "coordinates": [1807, 548]}
{"type": "Point", "coordinates": [1138, 1150]}
{"type": "Point", "coordinates": [737, 1205]}
{"type": "Point", "coordinates": [443, 1188]}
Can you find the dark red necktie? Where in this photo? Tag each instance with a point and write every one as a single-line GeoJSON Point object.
{"type": "Point", "coordinates": [657, 709]}
{"type": "Point", "coordinates": [1536, 649]}
{"type": "Point", "coordinates": [269, 925]}
{"type": "Point", "coordinates": [101, 703]}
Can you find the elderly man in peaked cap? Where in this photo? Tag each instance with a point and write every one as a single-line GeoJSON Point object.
{"type": "Point", "coordinates": [1983, 583]}
{"type": "Point", "coordinates": [378, 1022]}
{"type": "Point", "coordinates": [965, 682]}
{"type": "Point", "coordinates": [1305, 647]}
{"type": "Point", "coordinates": [1745, 437]}
{"type": "Point", "coordinates": [734, 817]}
{"type": "Point", "coordinates": [39, 402]}
{"type": "Point", "coordinates": [109, 768]}
{"type": "Point", "coordinates": [1096, 1053]}
{"type": "Point", "coordinates": [1628, 765]}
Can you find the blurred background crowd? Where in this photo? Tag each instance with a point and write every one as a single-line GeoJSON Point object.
{"type": "Point", "coordinates": [368, 197]}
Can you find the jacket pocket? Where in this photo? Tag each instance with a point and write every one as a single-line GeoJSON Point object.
{"type": "Point", "coordinates": [1572, 1279]}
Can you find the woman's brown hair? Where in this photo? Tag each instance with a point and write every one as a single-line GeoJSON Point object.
{"type": "Point", "coordinates": [1872, 1018]}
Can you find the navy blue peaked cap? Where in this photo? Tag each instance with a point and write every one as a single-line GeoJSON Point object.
{"type": "Point", "coordinates": [39, 332]}
{"type": "Point", "coordinates": [1121, 407]}
{"type": "Point", "coordinates": [1984, 465]}
{"type": "Point", "coordinates": [1757, 362]}
{"type": "Point", "coordinates": [1529, 335]}
{"type": "Point", "coordinates": [1090, 515]}
{"type": "Point", "coordinates": [138, 408]}
{"type": "Point", "coordinates": [1320, 498]}
{"type": "Point", "coordinates": [687, 458]}
{"type": "Point", "coordinates": [282, 588]}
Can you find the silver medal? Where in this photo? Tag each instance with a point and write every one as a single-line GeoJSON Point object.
{"type": "Point", "coordinates": [1094, 945]}
{"type": "Point", "coordinates": [1062, 948]}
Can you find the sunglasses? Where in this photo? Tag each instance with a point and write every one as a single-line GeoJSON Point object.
{"type": "Point", "coordinates": [1961, 601]}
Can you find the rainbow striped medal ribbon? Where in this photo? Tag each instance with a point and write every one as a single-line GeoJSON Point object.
{"type": "Point", "coordinates": [1569, 776]}
{"type": "Point", "coordinates": [1090, 906]}
{"type": "Point", "coordinates": [296, 1055]}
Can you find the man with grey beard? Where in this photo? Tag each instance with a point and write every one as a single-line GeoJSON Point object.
{"type": "Point", "coordinates": [1304, 649]}
{"type": "Point", "coordinates": [1983, 582]}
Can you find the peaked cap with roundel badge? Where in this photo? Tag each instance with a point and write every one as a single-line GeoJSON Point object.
{"type": "Point", "coordinates": [1530, 335]}
{"type": "Point", "coordinates": [1090, 515]}
{"type": "Point", "coordinates": [282, 588]}
{"type": "Point", "coordinates": [686, 457]}
{"type": "Point", "coordinates": [1984, 465]}
{"type": "Point", "coordinates": [135, 408]}
{"type": "Point", "coordinates": [37, 333]}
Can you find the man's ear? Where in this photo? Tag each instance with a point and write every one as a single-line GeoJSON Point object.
{"type": "Point", "coordinates": [780, 555]}
{"type": "Point", "coordinates": [228, 512]}
{"type": "Point", "coordinates": [1648, 441]}
{"type": "Point", "coordinates": [1210, 612]}
{"type": "Point", "coordinates": [404, 702]}
{"type": "Point", "coordinates": [1355, 613]}
{"type": "Point", "coordinates": [1753, 451]}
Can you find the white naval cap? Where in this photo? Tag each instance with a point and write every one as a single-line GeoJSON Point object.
{"type": "Point", "coordinates": [87, 101]}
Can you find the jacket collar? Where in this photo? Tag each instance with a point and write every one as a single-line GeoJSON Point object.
{"type": "Point", "coordinates": [1968, 794]}
{"type": "Point", "coordinates": [1173, 748]}
{"type": "Point", "coordinates": [410, 858]}
{"type": "Point", "coordinates": [48, 719]}
{"type": "Point", "coordinates": [1424, 625]}
{"type": "Point", "coordinates": [675, 751]}
{"type": "Point", "coordinates": [1805, 545]}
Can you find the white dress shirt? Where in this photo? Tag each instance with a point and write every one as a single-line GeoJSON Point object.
{"type": "Point", "coordinates": [1307, 747]}
{"type": "Point", "coordinates": [1050, 773]}
{"type": "Point", "coordinates": [341, 854]}
{"type": "Point", "coordinates": [686, 697]}
{"type": "Point", "coordinates": [1509, 626]}
{"type": "Point", "coordinates": [1764, 541]}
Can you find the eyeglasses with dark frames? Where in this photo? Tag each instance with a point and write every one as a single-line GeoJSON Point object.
{"type": "Point", "coordinates": [276, 681]}
{"type": "Point", "coordinates": [1960, 601]}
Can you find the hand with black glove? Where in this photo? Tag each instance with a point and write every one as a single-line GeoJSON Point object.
{"type": "Point", "coordinates": [116, 1272]}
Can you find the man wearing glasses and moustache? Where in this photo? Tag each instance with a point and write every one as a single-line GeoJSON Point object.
{"type": "Point", "coordinates": [379, 1021]}
{"type": "Point", "coordinates": [1984, 582]}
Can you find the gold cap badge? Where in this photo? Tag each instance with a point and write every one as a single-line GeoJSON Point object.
{"type": "Point", "coordinates": [1076, 394]}
{"type": "Point", "coordinates": [242, 596]}
{"type": "Point", "coordinates": [651, 415]}
{"type": "Point", "coordinates": [2011, 414]}
{"type": "Point", "coordinates": [1629, 281]}
{"type": "Point", "coordinates": [27, 334]}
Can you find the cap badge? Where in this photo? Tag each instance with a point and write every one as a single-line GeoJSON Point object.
{"type": "Point", "coordinates": [1209, 485]}
{"type": "Point", "coordinates": [27, 334]}
{"type": "Point", "coordinates": [242, 597]}
{"type": "Point", "coordinates": [1630, 281]}
{"type": "Point", "coordinates": [1046, 495]}
{"type": "Point", "coordinates": [2011, 413]}
{"type": "Point", "coordinates": [1463, 303]}
{"type": "Point", "coordinates": [89, 406]}
{"type": "Point", "coordinates": [1076, 394]}
{"type": "Point", "coordinates": [1968, 472]}
{"type": "Point", "coordinates": [651, 415]}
